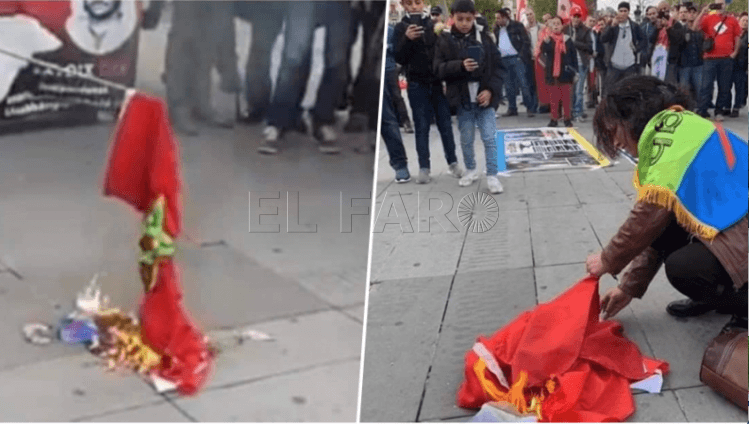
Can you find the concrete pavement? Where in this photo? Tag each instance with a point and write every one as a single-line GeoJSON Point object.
{"type": "Point", "coordinates": [432, 293]}
{"type": "Point", "coordinates": [58, 230]}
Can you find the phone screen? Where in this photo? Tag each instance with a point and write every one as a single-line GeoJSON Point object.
{"type": "Point", "coordinates": [475, 53]}
{"type": "Point", "coordinates": [416, 19]}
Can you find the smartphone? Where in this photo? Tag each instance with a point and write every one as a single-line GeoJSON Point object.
{"type": "Point", "coordinates": [416, 19]}
{"type": "Point", "coordinates": [476, 53]}
{"type": "Point", "coordinates": [715, 6]}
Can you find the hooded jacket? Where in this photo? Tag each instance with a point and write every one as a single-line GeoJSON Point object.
{"type": "Point", "coordinates": [416, 56]}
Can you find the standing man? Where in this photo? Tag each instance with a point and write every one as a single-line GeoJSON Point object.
{"type": "Point", "coordinates": [648, 30]}
{"type": "Point", "coordinates": [596, 62]}
{"type": "Point", "coordinates": [534, 28]}
{"type": "Point", "coordinates": [724, 30]}
{"type": "Point", "coordinates": [580, 35]}
{"type": "Point", "coordinates": [624, 42]}
{"type": "Point", "coordinates": [515, 50]}
{"type": "Point", "coordinates": [690, 65]}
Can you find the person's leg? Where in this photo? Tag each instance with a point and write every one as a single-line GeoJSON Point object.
{"type": "Point", "coordinates": [566, 90]}
{"type": "Point", "coordinates": [709, 73]}
{"type": "Point", "coordinates": [181, 53]}
{"type": "Point", "coordinates": [725, 73]}
{"type": "Point", "coordinates": [530, 78]}
{"type": "Point", "coordinates": [740, 87]}
{"type": "Point", "coordinates": [418, 97]}
{"type": "Point", "coordinates": [579, 92]}
{"type": "Point", "coordinates": [267, 22]}
{"type": "Point", "coordinates": [555, 97]}
{"type": "Point", "coordinates": [226, 46]}
{"type": "Point", "coordinates": [487, 124]}
{"type": "Point", "coordinates": [528, 99]}
{"type": "Point", "coordinates": [284, 111]}
{"type": "Point", "coordinates": [442, 114]}
{"type": "Point", "coordinates": [685, 78]}
{"type": "Point", "coordinates": [391, 133]}
{"type": "Point", "coordinates": [467, 129]}
{"type": "Point", "coordinates": [398, 102]}
{"type": "Point", "coordinates": [511, 85]}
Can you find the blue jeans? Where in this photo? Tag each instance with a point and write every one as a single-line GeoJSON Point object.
{"type": "Point", "coordinates": [722, 70]}
{"type": "Point", "coordinates": [426, 100]}
{"type": "Point", "coordinates": [390, 131]}
{"type": "Point", "coordinates": [302, 19]}
{"type": "Point", "coordinates": [482, 117]}
{"type": "Point", "coordinates": [739, 82]}
{"type": "Point", "coordinates": [578, 91]}
{"type": "Point", "coordinates": [690, 78]}
{"type": "Point", "coordinates": [515, 76]}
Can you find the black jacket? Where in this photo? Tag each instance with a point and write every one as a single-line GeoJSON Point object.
{"type": "Point", "coordinates": [599, 61]}
{"type": "Point", "coordinates": [569, 62]}
{"type": "Point", "coordinates": [519, 39]}
{"type": "Point", "coordinates": [741, 58]}
{"type": "Point", "coordinates": [611, 35]}
{"type": "Point", "coordinates": [581, 39]}
{"type": "Point", "coordinates": [676, 38]}
{"type": "Point", "coordinates": [448, 65]}
{"type": "Point", "coordinates": [691, 53]}
{"type": "Point", "coordinates": [416, 56]}
{"type": "Point", "coordinates": [648, 28]}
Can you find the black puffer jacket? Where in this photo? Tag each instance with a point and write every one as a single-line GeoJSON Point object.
{"type": "Point", "coordinates": [569, 62]}
{"type": "Point", "coordinates": [416, 56]}
{"type": "Point", "coordinates": [448, 66]}
{"type": "Point", "coordinates": [519, 39]}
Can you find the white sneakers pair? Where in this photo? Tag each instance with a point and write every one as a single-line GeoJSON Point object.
{"type": "Point", "coordinates": [492, 181]}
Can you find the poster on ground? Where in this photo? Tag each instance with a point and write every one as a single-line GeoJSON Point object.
{"type": "Point", "coordinates": [527, 149]}
{"type": "Point", "coordinates": [84, 37]}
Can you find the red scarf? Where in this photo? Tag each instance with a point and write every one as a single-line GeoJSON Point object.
{"type": "Point", "coordinates": [559, 49]}
{"type": "Point", "coordinates": [663, 38]}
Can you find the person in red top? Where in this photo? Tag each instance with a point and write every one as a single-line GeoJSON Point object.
{"type": "Point", "coordinates": [725, 31]}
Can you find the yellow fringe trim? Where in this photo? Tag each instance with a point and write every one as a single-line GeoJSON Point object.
{"type": "Point", "coordinates": [660, 196]}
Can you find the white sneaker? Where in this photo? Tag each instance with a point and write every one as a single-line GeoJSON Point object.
{"type": "Point", "coordinates": [469, 177]}
{"type": "Point", "coordinates": [269, 145]}
{"type": "Point", "coordinates": [455, 170]}
{"type": "Point", "coordinates": [495, 187]}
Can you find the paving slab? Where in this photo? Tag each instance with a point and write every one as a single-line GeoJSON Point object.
{"type": "Point", "coordinates": [415, 255]}
{"type": "Point", "coordinates": [355, 312]}
{"type": "Point", "coordinates": [514, 196]}
{"type": "Point", "coordinates": [561, 235]}
{"type": "Point", "coordinates": [596, 187]}
{"type": "Point", "coordinates": [680, 341]}
{"type": "Point", "coordinates": [87, 389]}
{"type": "Point", "coordinates": [702, 404]}
{"type": "Point", "coordinates": [480, 304]}
{"type": "Point", "coordinates": [550, 188]}
{"type": "Point", "coordinates": [661, 407]}
{"type": "Point", "coordinates": [326, 393]}
{"type": "Point", "coordinates": [402, 328]}
{"type": "Point", "coordinates": [160, 412]}
{"type": "Point", "coordinates": [506, 245]}
{"type": "Point", "coordinates": [606, 218]}
{"type": "Point", "coordinates": [623, 180]}
{"type": "Point", "coordinates": [338, 287]}
{"type": "Point", "coordinates": [300, 342]}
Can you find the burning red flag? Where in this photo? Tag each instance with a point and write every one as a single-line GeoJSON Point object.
{"type": "Point", "coordinates": [144, 172]}
{"type": "Point", "coordinates": [559, 361]}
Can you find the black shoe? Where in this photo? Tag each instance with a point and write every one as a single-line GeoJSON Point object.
{"type": "Point", "coordinates": [688, 308]}
{"type": "Point", "coordinates": [543, 109]}
{"type": "Point", "coordinates": [719, 112]}
{"type": "Point", "coordinates": [553, 123]}
{"type": "Point", "coordinates": [568, 123]}
{"type": "Point", "coordinates": [531, 114]}
{"type": "Point", "coordinates": [735, 113]}
{"type": "Point", "coordinates": [253, 118]}
{"type": "Point", "coordinates": [704, 115]}
{"type": "Point", "coordinates": [511, 112]}
{"type": "Point", "coordinates": [591, 105]}
{"type": "Point", "coordinates": [735, 323]}
{"type": "Point", "coordinates": [584, 115]}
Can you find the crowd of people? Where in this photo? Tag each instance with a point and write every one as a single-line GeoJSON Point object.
{"type": "Point", "coordinates": [559, 66]}
{"type": "Point", "coordinates": [202, 36]}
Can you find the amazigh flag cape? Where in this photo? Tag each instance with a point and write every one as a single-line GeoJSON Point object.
{"type": "Point", "coordinates": [143, 171]}
{"type": "Point", "coordinates": [560, 362]}
{"type": "Point", "coordinates": [695, 168]}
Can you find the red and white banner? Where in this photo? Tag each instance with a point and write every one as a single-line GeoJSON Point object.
{"type": "Point", "coordinates": [522, 7]}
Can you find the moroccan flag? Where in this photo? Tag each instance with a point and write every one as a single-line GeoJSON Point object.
{"type": "Point", "coordinates": [695, 168]}
{"type": "Point", "coordinates": [144, 172]}
{"type": "Point", "coordinates": [562, 357]}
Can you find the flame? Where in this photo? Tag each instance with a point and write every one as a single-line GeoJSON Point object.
{"type": "Point", "coordinates": [516, 395]}
{"type": "Point", "coordinates": [122, 346]}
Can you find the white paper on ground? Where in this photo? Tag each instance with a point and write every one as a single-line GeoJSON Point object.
{"type": "Point", "coordinates": [162, 385]}
{"type": "Point", "coordinates": [652, 384]}
{"type": "Point", "coordinates": [256, 335]}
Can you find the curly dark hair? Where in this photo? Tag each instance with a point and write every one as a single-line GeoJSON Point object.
{"type": "Point", "coordinates": [632, 102]}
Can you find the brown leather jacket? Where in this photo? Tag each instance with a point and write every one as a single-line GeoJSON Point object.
{"type": "Point", "coordinates": [646, 222]}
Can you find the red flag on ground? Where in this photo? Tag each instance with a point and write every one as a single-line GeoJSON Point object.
{"type": "Point", "coordinates": [143, 167]}
{"type": "Point", "coordinates": [589, 363]}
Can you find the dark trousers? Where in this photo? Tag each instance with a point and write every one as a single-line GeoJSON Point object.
{"type": "Point", "coordinates": [366, 90]}
{"type": "Point", "coordinates": [695, 272]}
{"type": "Point", "coordinates": [739, 84]}
{"type": "Point", "coordinates": [722, 71]}
{"type": "Point", "coordinates": [302, 19]}
{"type": "Point", "coordinates": [428, 100]}
{"type": "Point", "coordinates": [266, 18]}
{"type": "Point", "coordinates": [614, 75]}
{"type": "Point", "coordinates": [390, 131]}
{"type": "Point", "coordinates": [515, 78]}
{"type": "Point", "coordinates": [391, 79]}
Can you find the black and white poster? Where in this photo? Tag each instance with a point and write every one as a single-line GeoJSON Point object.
{"type": "Point", "coordinates": [548, 148]}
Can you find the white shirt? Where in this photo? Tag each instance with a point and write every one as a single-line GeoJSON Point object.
{"type": "Point", "coordinates": [533, 33]}
{"type": "Point", "coordinates": [504, 44]}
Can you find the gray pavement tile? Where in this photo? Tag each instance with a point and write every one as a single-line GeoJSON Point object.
{"type": "Point", "coordinates": [342, 288]}
{"type": "Point", "coordinates": [661, 407]}
{"type": "Point", "coordinates": [606, 218]}
{"type": "Point", "coordinates": [414, 255]}
{"type": "Point", "coordinates": [596, 187]}
{"type": "Point", "coordinates": [680, 341]}
{"type": "Point", "coordinates": [355, 312]}
{"type": "Point", "coordinates": [561, 235]}
{"type": "Point", "coordinates": [619, 165]}
{"type": "Point", "coordinates": [480, 304]}
{"type": "Point", "coordinates": [300, 342]}
{"type": "Point", "coordinates": [161, 412]}
{"type": "Point", "coordinates": [514, 196]}
{"type": "Point", "coordinates": [623, 180]}
{"type": "Point", "coordinates": [326, 393]}
{"type": "Point", "coordinates": [550, 188]}
{"type": "Point", "coordinates": [506, 245]}
{"type": "Point", "coordinates": [68, 388]}
{"type": "Point", "coordinates": [702, 404]}
{"type": "Point", "coordinates": [403, 322]}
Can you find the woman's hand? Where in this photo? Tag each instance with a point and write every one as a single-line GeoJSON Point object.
{"type": "Point", "coordinates": [594, 265]}
{"type": "Point", "coordinates": [613, 302]}
{"type": "Point", "coordinates": [484, 98]}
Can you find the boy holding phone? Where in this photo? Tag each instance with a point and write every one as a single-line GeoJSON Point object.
{"type": "Point", "coordinates": [414, 40]}
{"type": "Point", "coordinates": [466, 59]}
